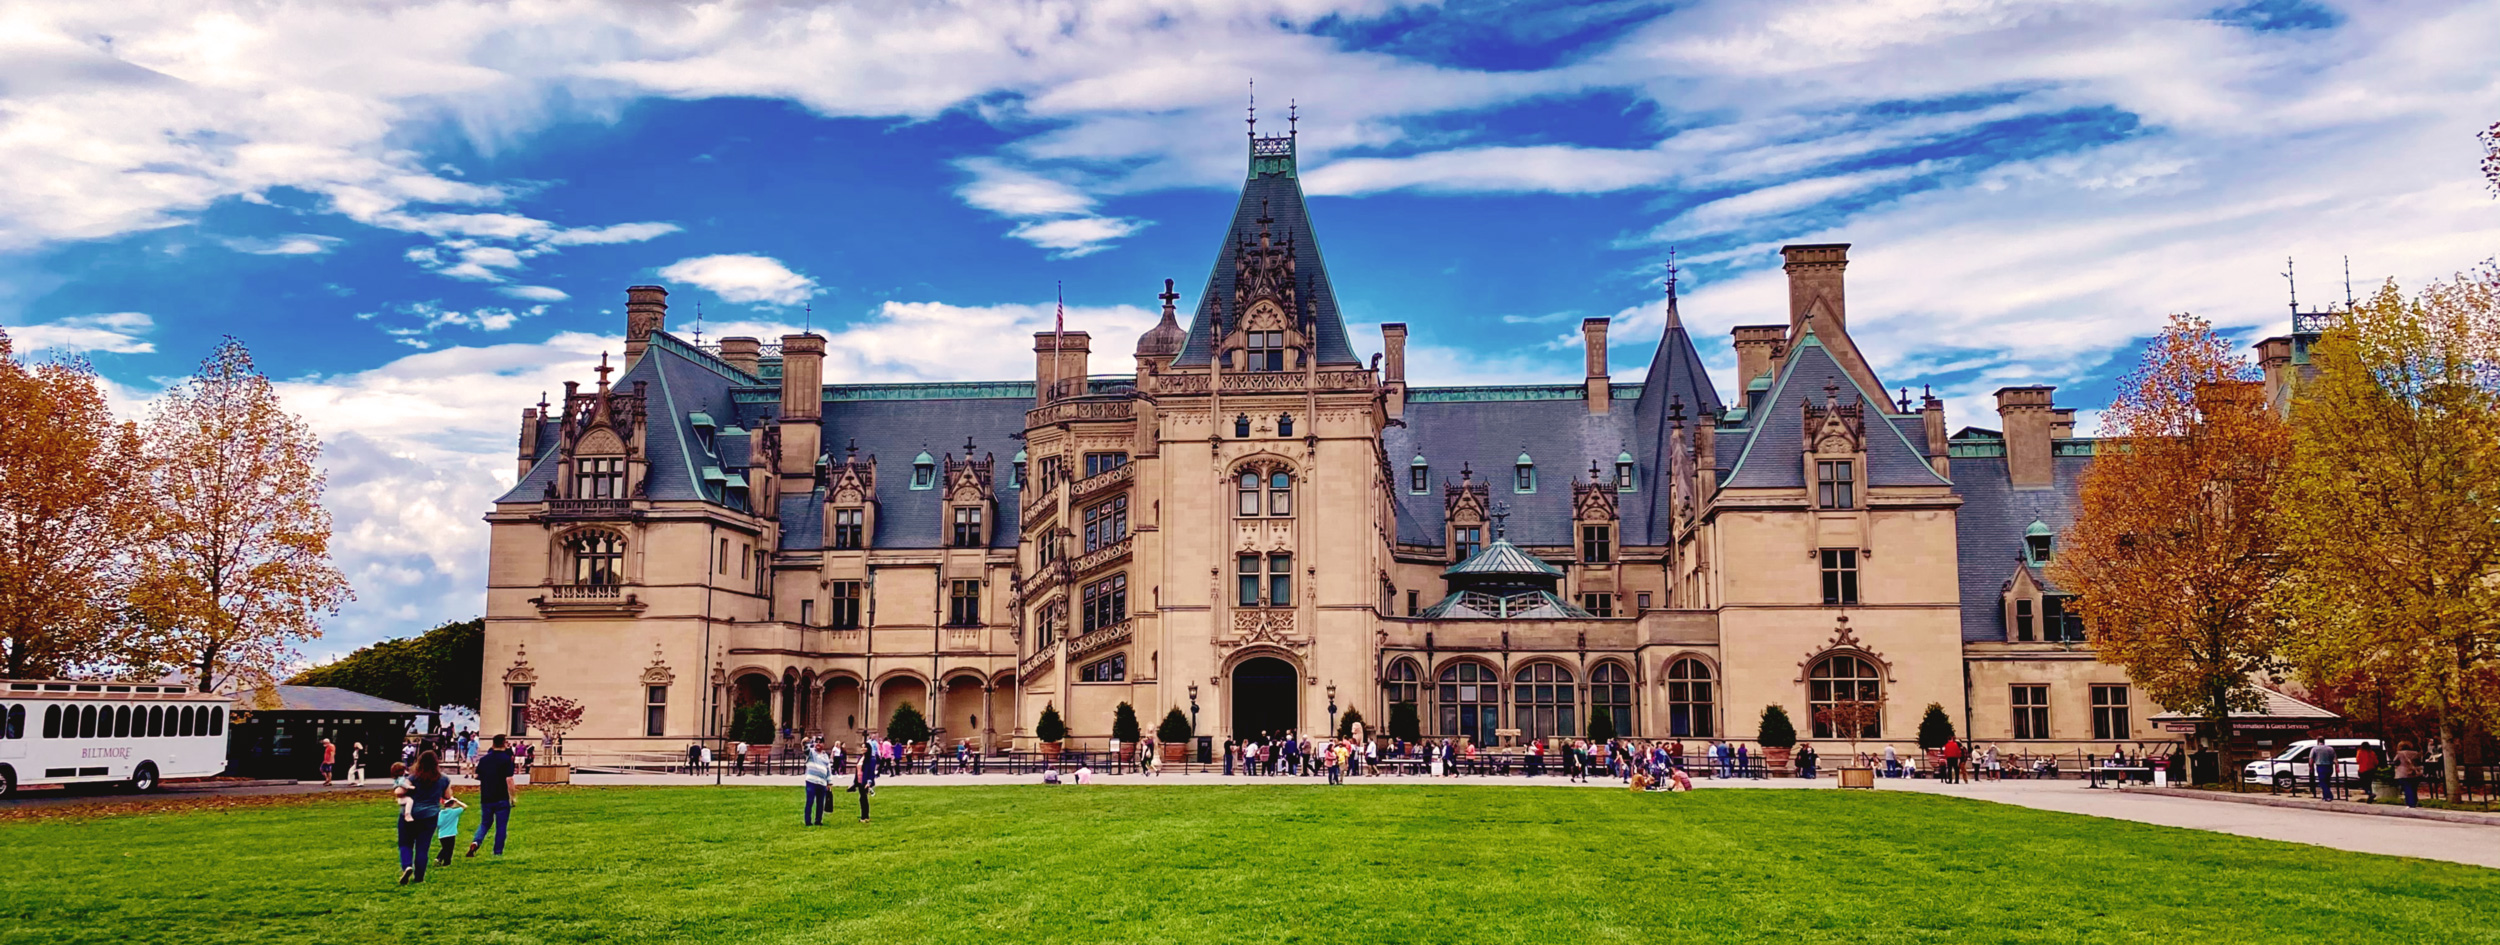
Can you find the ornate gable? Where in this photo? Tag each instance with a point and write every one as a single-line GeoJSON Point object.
{"type": "Point", "coordinates": [968, 480]}
{"type": "Point", "coordinates": [1833, 428]}
{"type": "Point", "coordinates": [853, 481]}
{"type": "Point", "coordinates": [1594, 500]}
{"type": "Point", "coordinates": [1466, 502]}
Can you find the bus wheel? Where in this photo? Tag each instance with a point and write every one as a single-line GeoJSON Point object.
{"type": "Point", "coordinates": [143, 780]}
{"type": "Point", "coordinates": [8, 782]}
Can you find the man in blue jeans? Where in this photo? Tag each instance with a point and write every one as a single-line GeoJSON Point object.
{"type": "Point", "coordinates": [2322, 769]}
{"type": "Point", "coordinates": [819, 786]}
{"type": "Point", "coordinates": [494, 787]}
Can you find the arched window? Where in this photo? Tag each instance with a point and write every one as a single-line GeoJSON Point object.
{"type": "Point", "coordinates": [1623, 472]}
{"type": "Point", "coordinates": [1471, 702]}
{"type": "Point", "coordinates": [184, 729]}
{"type": "Point", "coordinates": [1402, 685]}
{"type": "Point", "coordinates": [1270, 492]}
{"type": "Point", "coordinates": [1523, 474]}
{"type": "Point", "coordinates": [924, 471]}
{"type": "Point", "coordinates": [52, 721]}
{"type": "Point", "coordinates": [156, 721]}
{"type": "Point", "coordinates": [1241, 427]}
{"type": "Point", "coordinates": [598, 557]}
{"type": "Point", "coordinates": [1247, 486]}
{"type": "Point", "coordinates": [2039, 542]}
{"type": "Point", "coordinates": [1418, 476]}
{"type": "Point", "coordinates": [17, 722]}
{"type": "Point", "coordinates": [121, 722]}
{"type": "Point", "coordinates": [1844, 692]}
{"type": "Point", "coordinates": [1691, 702]}
{"type": "Point", "coordinates": [1544, 703]}
{"type": "Point", "coordinates": [1284, 424]}
{"type": "Point", "coordinates": [1610, 695]}
{"type": "Point", "coordinates": [86, 722]}
{"type": "Point", "coordinates": [217, 721]}
{"type": "Point", "coordinates": [1280, 493]}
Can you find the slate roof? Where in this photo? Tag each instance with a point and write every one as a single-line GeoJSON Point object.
{"type": "Point", "coordinates": [895, 431]}
{"type": "Point", "coordinates": [1275, 191]}
{"type": "Point", "coordinates": [1675, 373]}
{"type": "Point", "coordinates": [1892, 459]}
{"type": "Point", "coordinates": [1989, 531]}
{"type": "Point", "coordinates": [327, 699]}
{"type": "Point", "coordinates": [1486, 428]}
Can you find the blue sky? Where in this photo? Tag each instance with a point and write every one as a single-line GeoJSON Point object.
{"type": "Point", "coordinates": [421, 215]}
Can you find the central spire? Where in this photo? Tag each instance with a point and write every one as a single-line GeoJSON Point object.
{"type": "Point", "coordinates": [1271, 213]}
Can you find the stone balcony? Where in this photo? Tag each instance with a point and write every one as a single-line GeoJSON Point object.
{"type": "Point", "coordinates": [588, 600]}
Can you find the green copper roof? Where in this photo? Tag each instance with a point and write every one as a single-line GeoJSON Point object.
{"type": "Point", "coordinates": [1502, 557]}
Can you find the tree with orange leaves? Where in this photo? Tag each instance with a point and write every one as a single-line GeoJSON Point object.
{"type": "Point", "coordinates": [68, 510]}
{"type": "Point", "coordinates": [2174, 553]}
{"type": "Point", "coordinates": [235, 567]}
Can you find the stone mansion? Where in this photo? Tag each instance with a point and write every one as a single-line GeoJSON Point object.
{"type": "Point", "coordinates": [1264, 529]}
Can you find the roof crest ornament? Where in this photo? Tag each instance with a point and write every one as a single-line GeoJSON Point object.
{"type": "Point", "coordinates": [1500, 516]}
{"type": "Point", "coordinates": [1674, 320]}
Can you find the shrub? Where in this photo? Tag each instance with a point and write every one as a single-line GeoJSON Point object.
{"type": "Point", "coordinates": [907, 726]}
{"type": "Point", "coordinates": [1124, 724]}
{"type": "Point", "coordinates": [1777, 731]}
{"type": "Point", "coordinates": [1051, 728]}
{"type": "Point", "coordinates": [1175, 728]}
{"type": "Point", "coordinates": [1347, 722]}
{"type": "Point", "coordinates": [1934, 729]}
{"type": "Point", "coordinates": [1601, 725]}
{"type": "Point", "coordinates": [752, 724]}
{"type": "Point", "coordinates": [1404, 724]}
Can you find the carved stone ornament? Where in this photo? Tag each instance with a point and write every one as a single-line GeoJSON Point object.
{"type": "Point", "coordinates": [1844, 641]}
{"type": "Point", "coordinates": [1264, 628]}
{"type": "Point", "coordinates": [520, 674]}
{"type": "Point", "coordinates": [657, 674]}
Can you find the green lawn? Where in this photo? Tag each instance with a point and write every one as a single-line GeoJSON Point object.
{"type": "Point", "coordinates": [1424, 864]}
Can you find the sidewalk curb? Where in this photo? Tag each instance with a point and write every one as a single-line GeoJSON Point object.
{"type": "Point", "coordinates": [2374, 810]}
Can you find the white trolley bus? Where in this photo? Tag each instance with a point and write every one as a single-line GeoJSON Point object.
{"type": "Point", "coordinates": [56, 731]}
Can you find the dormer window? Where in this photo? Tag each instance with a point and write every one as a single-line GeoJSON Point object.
{"type": "Point", "coordinates": [599, 477]}
{"type": "Point", "coordinates": [1267, 351]}
{"type": "Point", "coordinates": [1018, 475]}
{"type": "Point", "coordinates": [1623, 472]}
{"type": "Point", "coordinates": [1835, 484]}
{"type": "Point", "coordinates": [924, 471]}
{"type": "Point", "coordinates": [1524, 475]}
{"type": "Point", "coordinates": [850, 531]}
{"type": "Point", "coordinates": [1284, 424]}
{"type": "Point", "coordinates": [2039, 543]}
{"type": "Point", "coordinates": [1241, 427]}
{"type": "Point", "coordinates": [1418, 476]}
{"type": "Point", "coordinates": [968, 526]}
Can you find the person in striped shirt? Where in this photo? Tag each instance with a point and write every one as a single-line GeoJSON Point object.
{"type": "Point", "coordinates": [819, 784]}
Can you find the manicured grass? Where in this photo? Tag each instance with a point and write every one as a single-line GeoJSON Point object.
{"type": "Point", "coordinates": [1292, 863]}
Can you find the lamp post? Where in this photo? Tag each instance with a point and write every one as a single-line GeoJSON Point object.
{"type": "Point", "coordinates": [1332, 710]}
{"type": "Point", "coordinates": [1193, 716]}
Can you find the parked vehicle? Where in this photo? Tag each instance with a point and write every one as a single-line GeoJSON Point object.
{"type": "Point", "coordinates": [2291, 767]}
{"type": "Point", "coordinates": [137, 734]}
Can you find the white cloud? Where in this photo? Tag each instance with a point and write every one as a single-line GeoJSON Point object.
{"type": "Point", "coordinates": [741, 277]}
{"type": "Point", "coordinates": [1546, 168]}
{"type": "Point", "coordinates": [414, 324]}
{"type": "Point", "coordinates": [938, 341]}
{"type": "Point", "coordinates": [1055, 214]}
{"type": "Point", "coordinates": [534, 293]}
{"type": "Point", "coordinates": [620, 233]}
{"type": "Point", "coordinates": [113, 333]}
{"type": "Point", "coordinates": [1077, 236]}
{"type": "Point", "coordinates": [291, 244]}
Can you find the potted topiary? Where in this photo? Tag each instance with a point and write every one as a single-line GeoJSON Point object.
{"type": "Point", "coordinates": [1778, 738]}
{"type": "Point", "coordinates": [1050, 730]}
{"type": "Point", "coordinates": [1601, 726]}
{"type": "Point", "coordinates": [1124, 732]}
{"type": "Point", "coordinates": [1174, 733]}
{"type": "Point", "coordinates": [1934, 729]}
{"type": "Point", "coordinates": [1404, 724]}
{"type": "Point", "coordinates": [907, 727]}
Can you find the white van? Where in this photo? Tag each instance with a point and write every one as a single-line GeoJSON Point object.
{"type": "Point", "coordinates": [57, 731]}
{"type": "Point", "coordinates": [2292, 766]}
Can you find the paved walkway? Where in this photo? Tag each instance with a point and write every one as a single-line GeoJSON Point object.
{"type": "Point", "coordinates": [2436, 840]}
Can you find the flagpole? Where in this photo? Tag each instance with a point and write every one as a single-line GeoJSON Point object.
{"type": "Point", "coordinates": [1058, 340]}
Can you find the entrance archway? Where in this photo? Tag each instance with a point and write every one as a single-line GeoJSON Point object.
{"type": "Point", "coordinates": [1266, 697]}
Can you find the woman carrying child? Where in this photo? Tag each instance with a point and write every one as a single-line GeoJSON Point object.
{"type": "Point", "coordinates": [421, 795]}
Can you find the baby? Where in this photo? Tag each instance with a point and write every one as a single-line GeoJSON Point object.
{"type": "Point", "coordinates": [400, 786]}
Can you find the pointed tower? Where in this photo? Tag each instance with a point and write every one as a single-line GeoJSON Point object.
{"type": "Point", "coordinates": [1271, 232]}
{"type": "Point", "coordinates": [1677, 384]}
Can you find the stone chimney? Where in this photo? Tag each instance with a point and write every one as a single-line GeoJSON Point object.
{"type": "Point", "coordinates": [1593, 335]}
{"type": "Point", "coordinates": [1814, 284]}
{"type": "Point", "coordinates": [802, 409]}
{"type": "Point", "coordinates": [742, 353]}
{"type": "Point", "coordinates": [529, 440]}
{"type": "Point", "coordinates": [1757, 350]}
{"type": "Point", "coordinates": [1706, 453]}
{"type": "Point", "coordinates": [2062, 423]}
{"type": "Point", "coordinates": [2274, 356]}
{"type": "Point", "coordinates": [1393, 366]}
{"type": "Point", "coordinates": [646, 311]}
{"type": "Point", "coordinates": [1939, 448]}
{"type": "Point", "coordinates": [1059, 357]}
{"type": "Point", "coordinates": [2029, 416]}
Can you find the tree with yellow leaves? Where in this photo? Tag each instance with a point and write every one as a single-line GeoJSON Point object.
{"type": "Point", "coordinates": [235, 567]}
{"type": "Point", "coordinates": [68, 509]}
{"type": "Point", "coordinates": [2174, 553]}
{"type": "Point", "coordinates": [2389, 511]}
